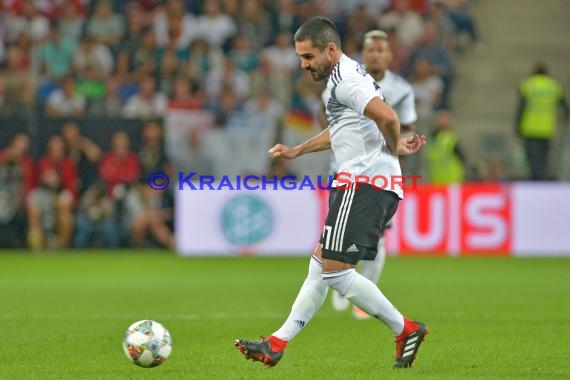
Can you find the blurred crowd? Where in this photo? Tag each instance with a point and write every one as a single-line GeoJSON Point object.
{"type": "Point", "coordinates": [138, 59]}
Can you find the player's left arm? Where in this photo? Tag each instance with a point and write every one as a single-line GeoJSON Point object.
{"type": "Point", "coordinates": [389, 124]}
{"type": "Point", "coordinates": [387, 121]}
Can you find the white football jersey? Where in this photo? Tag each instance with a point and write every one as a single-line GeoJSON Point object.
{"type": "Point", "coordinates": [400, 96]}
{"type": "Point", "coordinates": [357, 144]}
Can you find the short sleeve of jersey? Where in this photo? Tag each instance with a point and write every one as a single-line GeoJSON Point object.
{"type": "Point", "coordinates": [356, 93]}
{"type": "Point", "coordinates": [407, 109]}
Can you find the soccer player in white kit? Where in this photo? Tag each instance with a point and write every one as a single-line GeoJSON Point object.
{"type": "Point", "coordinates": [364, 135]}
{"type": "Point", "coordinates": [399, 94]}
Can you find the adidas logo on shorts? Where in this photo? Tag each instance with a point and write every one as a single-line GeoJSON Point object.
{"type": "Point", "coordinates": [352, 248]}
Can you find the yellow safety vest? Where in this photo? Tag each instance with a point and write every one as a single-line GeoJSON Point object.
{"type": "Point", "coordinates": [444, 166]}
{"type": "Point", "coordinates": [542, 95]}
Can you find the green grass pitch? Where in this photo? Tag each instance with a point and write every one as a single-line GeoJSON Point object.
{"type": "Point", "coordinates": [63, 317]}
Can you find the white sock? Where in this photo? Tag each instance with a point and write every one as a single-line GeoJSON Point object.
{"type": "Point", "coordinates": [364, 294]}
{"type": "Point", "coordinates": [309, 300]}
{"type": "Point", "coordinates": [373, 269]}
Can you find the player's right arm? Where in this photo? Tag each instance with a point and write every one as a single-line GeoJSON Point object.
{"type": "Point", "coordinates": [322, 141]}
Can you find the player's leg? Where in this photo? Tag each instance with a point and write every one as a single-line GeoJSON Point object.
{"type": "Point", "coordinates": [309, 300]}
{"type": "Point", "coordinates": [365, 212]}
{"type": "Point", "coordinates": [372, 270]}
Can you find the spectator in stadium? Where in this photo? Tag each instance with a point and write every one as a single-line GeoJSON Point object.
{"type": "Point", "coordinates": [263, 112]}
{"type": "Point", "coordinates": [104, 25]}
{"type": "Point", "coordinates": [262, 115]}
{"type": "Point", "coordinates": [149, 213]}
{"type": "Point", "coordinates": [458, 13]}
{"type": "Point", "coordinates": [151, 153]}
{"type": "Point", "coordinates": [50, 213]}
{"type": "Point", "coordinates": [71, 24]}
{"type": "Point", "coordinates": [90, 85]}
{"type": "Point", "coordinates": [19, 84]}
{"type": "Point", "coordinates": [445, 28]}
{"type": "Point", "coordinates": [428, 88]}
{"type": "Point", "coordinates": [400, 53]}
{"type": "Point", "coordinates": [140, 62]}
{"type": "Point", "coordinates": [437, 55]}
{"type": "Point", "coordinates": [254, 22]}
{"type": "Point", "coordinates": [303, 11]}
{"type": "Point", "coordinates": [132, 39]}
{"type": "Point", "coordinates": [360, 22]}
{"type": "Point", "coordinates": [408, 23]}
{"type": "Point", "coordinates": [111, 105]}
{"type": "Point", "coordinates": [83, 152]}
{"type": "Point", "coordinates": [226, 108]}
{"type": "Point", "coordinates": [284, 16]}
{"type": "Point", "coordinates": [91, 54]}
{"type": "Point", "coordinates": [444, 156]}
{"type": "Point", "coordinates": [30, 59]}
{"type": "Point", "coordinates": [119, 167]}
{"type": "Point", "coordinates": [278, 64]}
{"type": "Point", "coordinates": [56, 55]}
{"type": "Point", "coordinates": [540, 98]}
{"type": "Point", "coordinates": [243, 54]}
{"type": "Point", "coordinates": [65, 101]}
{"type": "Point", "coordinates": [214, 26]}
{"type": "Point", "coordinates": [148, 103]}
{"type": "Point", "coordinates": [204, 59]}
{"type": "Point", "coordinates": [2, 95]}
{"type": "Point", "coordinates": [228, 77]}
{"type": "Point", "coordinates": [186, 95]}
{"type": "Point", "coordinates": [174, 27]}
{"type": "Point", "coordinates": [17, 179]}
{"type": "Point", "coordinates": [343, 8]}
{"type": "Point", "coordinates": [3, 32]}
{"type": "Point", "coordinates": [56, 159]}
{"type": "Point", "coordinates": [96, 219]}
{"type": "Point", "coordinates": [31, 22]}
{"type": "Point", "coordinates": [168, 70]}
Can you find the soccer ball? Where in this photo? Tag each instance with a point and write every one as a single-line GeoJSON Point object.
{"type": "Point", "coordinates": [147, 343]}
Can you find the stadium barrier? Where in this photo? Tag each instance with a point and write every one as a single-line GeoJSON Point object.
{"type": "Point", "coordinates": [519, 219]}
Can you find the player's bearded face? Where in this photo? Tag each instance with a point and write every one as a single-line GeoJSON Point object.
{"type": "Point", "coordinates": [321, 69]}
{"type": "Point", "coordinates": [317, 62]}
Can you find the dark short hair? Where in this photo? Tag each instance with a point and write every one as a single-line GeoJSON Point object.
{"type": "Point", "coordinates": [320, 31]}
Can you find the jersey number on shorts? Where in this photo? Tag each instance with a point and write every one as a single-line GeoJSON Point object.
{"type": "Point", "coordinates": [327, 232]}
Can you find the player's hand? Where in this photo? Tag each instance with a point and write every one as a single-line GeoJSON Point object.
{"type": "Point", "coordinates": [282, 151]}
{"type": "Point", "coordinates": [410, 144]}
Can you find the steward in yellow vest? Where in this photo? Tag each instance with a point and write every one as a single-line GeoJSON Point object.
{"type": "Point", "coordinates": [540, 98]}
{"type": "Point", "coordinates": [445, 159]}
